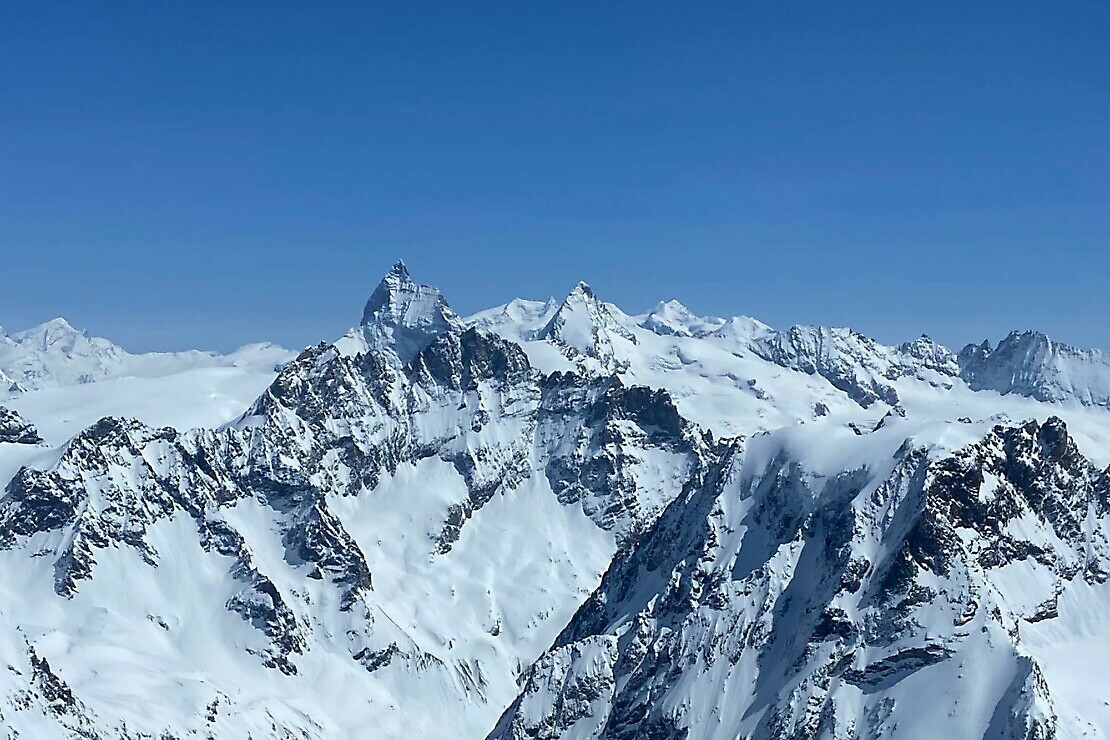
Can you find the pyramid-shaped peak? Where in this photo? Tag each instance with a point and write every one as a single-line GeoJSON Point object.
{"type": "Point", "coordinates": [49, 334]}
{"type": "Point", "coordinates": [405, 315]}
{"type": "Point", "coordinates": [397, 294]}
{"type": "Point", "coordinates": [584, 323]}
{"type": "Point", "coordinates": [57, 326]}
{"type": "Point", "coordinates": [671, 306]}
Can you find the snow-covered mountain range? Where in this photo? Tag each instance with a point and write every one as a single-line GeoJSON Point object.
{"type": "Point", "coordinates": [554, 520]}
{"type": "Point", "coordinates": [55, 354]}
{"type": "Point", "coordinates": [66, 380]}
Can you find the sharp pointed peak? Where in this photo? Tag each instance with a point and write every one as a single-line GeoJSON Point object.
{"type": "Point", "coordinates": [580, 294]}
{"type": "Point", "coordinates": [397, 291]}
{"type": "Point", "coordinates": [400, 269]}
{"type": "Point", "coordinates": [405, 315]}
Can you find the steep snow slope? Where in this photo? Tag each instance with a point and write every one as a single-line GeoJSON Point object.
{"type": "Point", "coordinates": [55, 354]}
{"type": "Point", "coordinates": [803, 533]}
{"type": "Point", "coordinates": [828, 585]}
{"type": "Point", "coordinates": [374, 543]}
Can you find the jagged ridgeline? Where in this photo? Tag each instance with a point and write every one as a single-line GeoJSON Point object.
{"type": "Point", "coordinates": [912, 600]}
{"type": "Point", "coordinates": [585, 523]}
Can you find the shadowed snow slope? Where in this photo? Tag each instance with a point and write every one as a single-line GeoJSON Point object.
{"type": "Point", "coordinates": [554, 520]}
{"type": "Point", "coordinates": [1030, 364]}
{"type": "Point", "coordinates": [784, 598]}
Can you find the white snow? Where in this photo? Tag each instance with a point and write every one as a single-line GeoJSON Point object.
{"type": "Point", "coordinates": [155, 647]}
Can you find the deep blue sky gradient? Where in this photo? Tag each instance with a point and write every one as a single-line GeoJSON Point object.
{"type": "Point", "coordinates": [206, 174]}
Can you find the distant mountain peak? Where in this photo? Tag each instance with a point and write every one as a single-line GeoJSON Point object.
{"type": "Point", "coordinates": [49, 332]}
{"type": "Point", "coordinates": [929, 354]}
{"type": "Point", "coordinates": [405, 315]}
{"type": "Point", "coordinates": [672, 318]}
{"type": "Point", "coordinates": [582, 288]}
{"type": "Point", "coordinates": [55, 354]}
{"type": "Point", "coordinates": [583, 325]}
{"type": "Point", "coordinates": [1029, 363]}
{"type": "Point", "coordinates": [399, 268]}
{"type": "Point", "coordinates": [672, 308]}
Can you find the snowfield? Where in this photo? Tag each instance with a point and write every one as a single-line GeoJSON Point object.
{"type": "Point", "coordinates": [554, 519]}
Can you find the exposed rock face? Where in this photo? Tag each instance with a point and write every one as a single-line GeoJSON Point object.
{"type": "Point", "coordinates": [769, 603]}
{"type": "Point", "coordinates": [923, 352]}
{"type": "Point", "coordinates": [9, 386]}
{"type": "Point", "coordinates": [405, 316]}
{"type": "Point", "coordinates": [850, 361]}
{"type": "Point", "coordinates": [855, 364]}
{"type": "Point", "coordinates": [1030, 364]}
{"type": "Point", "coordinates": [267, 501]}
{"type": "Point", "coordinates": [417, 528]}
{"type": "Point", "coordinates": [584, 328]}
{"type": "Point", "coordinates": [16, 430]}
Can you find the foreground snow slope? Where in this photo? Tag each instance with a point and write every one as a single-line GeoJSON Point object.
{"type": "Point", "coordinates": [907, 590]}
{"type": "Point", "coordinates": [410, 534]}
{"type": "Point", "coordinates": [583, 522]}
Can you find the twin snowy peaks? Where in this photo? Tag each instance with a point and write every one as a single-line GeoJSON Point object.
{"type": "Point", "coordinates": [586, 334]}
{"type": "Point", "coordinates": [584, 522]}
{"type": "Point", "coordinates": [592, 336]}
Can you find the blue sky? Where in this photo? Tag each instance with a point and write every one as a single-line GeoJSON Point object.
{"type": "Point", "coordinates": [206, 174]}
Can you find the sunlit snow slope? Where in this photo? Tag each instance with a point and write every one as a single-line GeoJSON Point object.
{"type": "Point", "coordinates": [554, 520]}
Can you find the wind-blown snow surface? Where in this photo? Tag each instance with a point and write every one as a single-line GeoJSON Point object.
{"type": "Point", "coordinates": [583, 522]}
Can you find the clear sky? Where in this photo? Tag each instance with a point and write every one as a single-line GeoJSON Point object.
{"type": "Point", "coordinates": [203, 174]}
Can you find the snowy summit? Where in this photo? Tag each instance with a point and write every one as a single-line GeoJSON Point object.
{"type": "Point", "coordinates": [554, 519]}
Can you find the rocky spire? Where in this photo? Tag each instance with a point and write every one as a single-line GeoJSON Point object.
{"type": "Point", "coordinates": [584, 326]}
{"type": "Point", "coordinates": [405, 315]}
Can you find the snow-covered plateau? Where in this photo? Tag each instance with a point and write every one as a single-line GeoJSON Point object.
{"type": "Point", "coordinates": [554, 519]}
